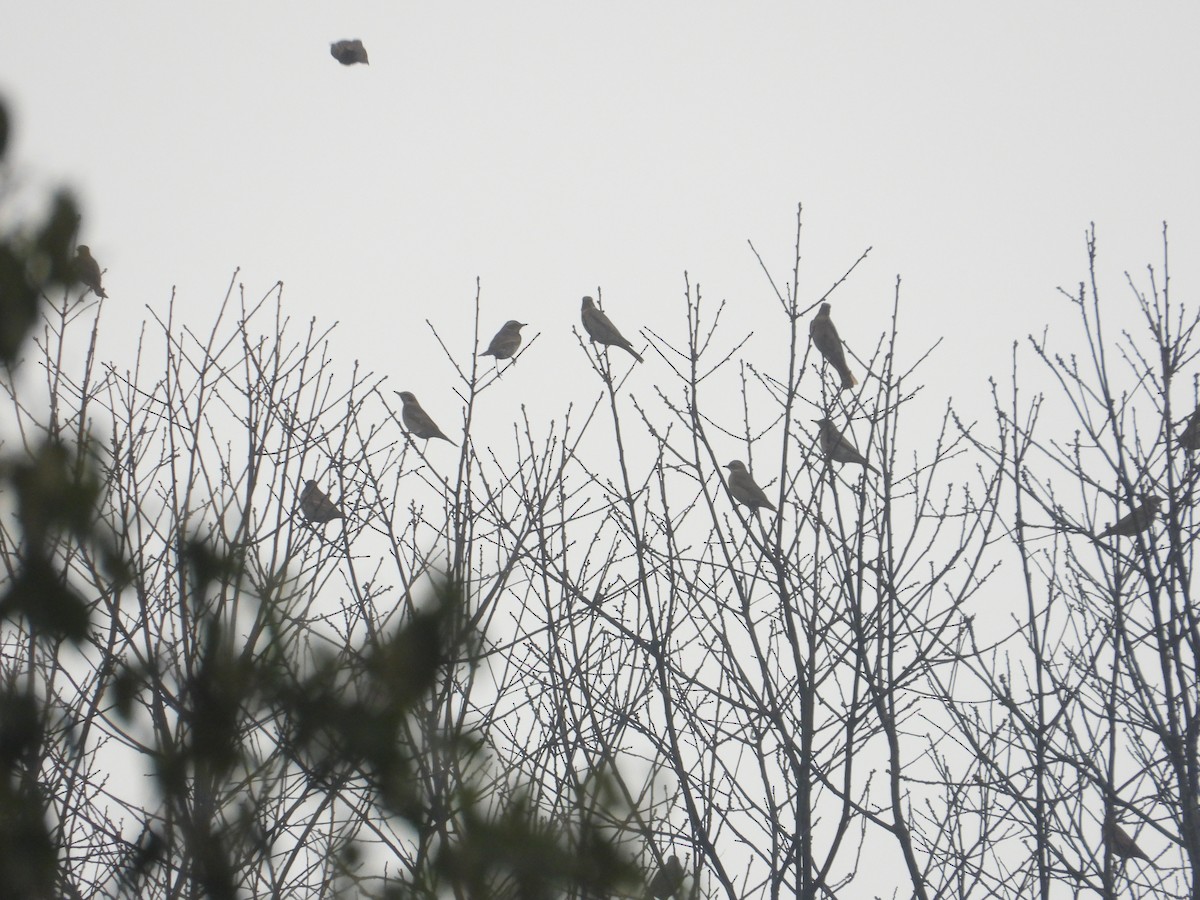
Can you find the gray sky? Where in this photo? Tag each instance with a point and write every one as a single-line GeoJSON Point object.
{"type": "Point", "coordinates": [549, 148]}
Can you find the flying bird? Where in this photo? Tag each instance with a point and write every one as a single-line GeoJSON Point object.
{"type": "Point", "coordinates": [824, 335]}
{"type": "Point", "coordinates": [1140, 519]}
{"type": "Point", "coordinates": [506, 342]}
{"type": "Point", "coordinates": [417, 421]}
{"type": "Point", "coordinates": [1119, 842]}
{"type": "Point", "coordinates": [88, 269]}
{"type": "Point", "coordinates": [349, 52]}
{"type": "Point", "coordinates": [602, 331]}
{"type": "Point", "coordinates": [1189, 438]}
{"type": "Point", "coordinates": [667, 880]}
{"type": "Point", "coordinates": [316, 506]}
{"type": "Point", "coordinates": [835, 446]}
{"type": "Point", "coordinates": [744, 490]}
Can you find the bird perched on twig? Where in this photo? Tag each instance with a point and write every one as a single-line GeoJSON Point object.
{"type": "Point", "coordinates": [1189, 438]}
{"type": "Point", "coordinates": [506, 342]}
{"type": "Point", "coordinates": [416, 420]}
{"type": "Point", "coordinates": [1119, 842]}
{"type": "Point", "coordinates": [835, 446]}
{"type": "Point", "coordinates": [349, 52]}
{"type": "Point", "coordinates": [602, 331]}
{"type": "Point", "coordinates": [88, 269]}
{"type": "Point", "coordinates": [316, 506]}
{"type": "Point", "coordinates": [744, 490]}
{"type": "Point", "coordinates": [824, 335]}
{"type": "Point", "coordinates": [1140, 519]}
{"type": "Point", "coordinates": [667, 880]}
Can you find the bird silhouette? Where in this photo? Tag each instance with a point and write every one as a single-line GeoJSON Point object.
{"type": "Point", "coordinates": [1119, 841]}
{"type": "Point", "coordinates": [835, 446]}
{"type": "Point", "coordinates": [506, 342]}
{"type": "Point", "coordinates": [417, 421]}
{"type": "Point", "coordinates": [743, 488]}
{"type": "Point", "coordinates": [316, 506]}
{"type": "Point", "coordinates": [88, 269]}
{"type": "Point", "coordinates": [667, 880]}
{"type": "Point", "coordinates": [1189, 438]}
{"type": "Point", "coordinates": [602, 331]}
{"type": "Point", "coordinates": [1140, 519]}
{"type": "Point", "coordinates": [349, 52]}
{"type": "Point", "coordinates": [824, 335]}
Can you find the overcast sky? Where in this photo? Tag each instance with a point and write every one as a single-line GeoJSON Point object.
{"type": "Point", "coordinates": [551, 148]}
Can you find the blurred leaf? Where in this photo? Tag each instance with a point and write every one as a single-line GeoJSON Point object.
{"type": "Point", "coordinates": [39, 593]}
{"type": "Point", "coordinates": [3, 131]}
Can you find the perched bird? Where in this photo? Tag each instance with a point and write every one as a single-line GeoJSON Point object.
{"type": "Point", "coordinates": [835, 446]}
{"type": "Point", "coordinates": [824, 335]}
{"type": "Point", "coordinates": [417, 421]}
{"type": "Point", "coordinates": [316, 506]}
{"type": "Point", "coordinates": [667, 880]}
{"type": "Point", "coordinates": [349, 52]}
{"type": "Point", "coordinates": [88, 269]}
{"type": "Point", "coordinates": [1189, 438]}
{"type": "Point", "coordinates": [1140, 519]}
{"type": "Point", "coordinates": [602, 331]}
{"type": "Point", "coordinates": [506, 342]}
{"type": "Point", "coordinates": [1119, 842]}
{"type": "Point", "coordinates": [744, 490]}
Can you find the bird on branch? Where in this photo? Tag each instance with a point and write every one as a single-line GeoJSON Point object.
{"type": "Point", "coordinates": [602, 331]}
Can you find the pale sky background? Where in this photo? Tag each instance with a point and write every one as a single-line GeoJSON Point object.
{"type": "Point", "coordinates": [551, 148]}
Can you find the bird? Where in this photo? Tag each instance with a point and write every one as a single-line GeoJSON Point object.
{"type": "Point", "coordinates": [1140, 519]}
{"type": "Point", "coordinates": [316, 506]}
{"type": "Point", "coordinates": [1189, 438]}
{"type": "Point", "coordinates": [602, 331]}
{"type": "Point", "coordinates": [835, 446]}
{"type": "Point", "coordinates": [506, 342]}
{"type": "Point", "coordinates": [667, 880]}
{"type": "Point", "coordinates": [349, 52]}
{"type": "Point", "coordinates": [1119, 842]}
{"type": "Point", "coordinates": [824, 335]}
{"type": "Point", "coordinates": [88, 269]}
{"type": "Point", "coordinates": [744, 490]}
{"type": "Point", "coordinates": [417, 421]}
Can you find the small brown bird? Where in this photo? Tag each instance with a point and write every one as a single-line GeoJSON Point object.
{"type": "Point", "coordinates": [602, 331]}
{"type": "Point", "coordinates": [1140, 519]}
{"type": "Point", "coordinates": [506, 342]}
{"type": "Point", "coordinates": [824, 335]}
{"type": "Point", "coordinates": [1189, 438]}
{"type": "Point", "coordinates": [1119, 842]}
{"type": "Point", "coordinates": [316, 506]}
{"type": "Point", "coordinates": [835, 446]}
{"type": "Point", "coordinates": [417, 421]}
{"type": "Point", "coordinates": [349, 52]}
{"type": "Point", "coordinates": [667, 880]}
{"type": "Point", "coordinates": [744, 490]}
{"type": "Point", "coordinates": [88, 269]}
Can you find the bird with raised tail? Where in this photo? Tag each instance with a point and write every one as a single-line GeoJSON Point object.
{"type": "Point", "coordinates": [836, 447]}
{"type": "Point", "coordinates": [316, 505]}
{"type": "Point", "coordinates": [506, 342]}
{"type": "Point", "coordinates": [825, 337]}
{"type": "Point", "coordinates": [602, 331]}
{"type": "Point", "coordinates": [88, 269]}
{"type": "Point", "coordinates": [416, 420]}
{"type": "Point", "coordinates": [744, 490]}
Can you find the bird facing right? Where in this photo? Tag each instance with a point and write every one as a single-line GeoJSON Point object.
{"type": "Point", "coordinates": [416, 420]}
{"type": "Point", "coordinates": [349, 52]}
{"type": "Point", "coordinates": [506, 342]}
{"type": "Point", "coordinates": [602, 331]}
{"type": "Point", "coordinates": [744, 490]}
{"type": "Point", "coordinates": [1140, 519]}
{"type": "Point", "coordinates": [835, 446]}
{"type": "Point", "coordinates": [667, 880]}
{"type": "Point", "coordinates": [825, 337]}
{"type": "Point", "coordinates": [316, 506]}
{"type": "Point", "coordinates": [88, 269]}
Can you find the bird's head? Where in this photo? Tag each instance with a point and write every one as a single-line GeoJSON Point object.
{"type": "Point", "coordinates": [310, 485]}
{"type": "Point", "coordinates": [824, 311]}
{"type": "Point", "coordinates": [83, 250]}
{"type": "Point", "coordinates": [514, 325]}
{"type": "Point", "coordinates": [406, 396]}
{"type": "Point", "coordinates": [736, 466]}
{"type": "Point", "coordinates": [589, 303]}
